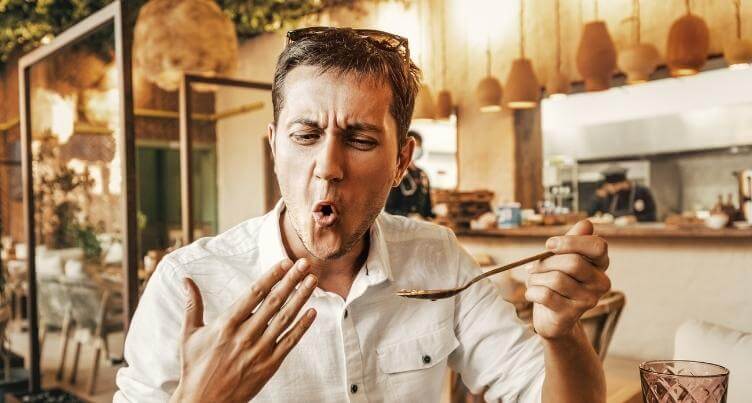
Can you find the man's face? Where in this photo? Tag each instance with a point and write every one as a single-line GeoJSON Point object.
{"type": "Point", "coordinates": [335, 156]}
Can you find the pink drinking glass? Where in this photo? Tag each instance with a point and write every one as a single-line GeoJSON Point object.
{"type": "Point", "coordinates": [677, 381]}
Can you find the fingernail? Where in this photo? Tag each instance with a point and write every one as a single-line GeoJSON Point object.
{"type": "Point", "coordinates": [552, 243]}
{"type": "Point", "coordinates": [310, 281]}
{"type": "Point", "coordinates": [302, 265]}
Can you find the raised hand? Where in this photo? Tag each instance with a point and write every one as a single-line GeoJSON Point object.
{"type": "Point", "coordinates": [232, 358]}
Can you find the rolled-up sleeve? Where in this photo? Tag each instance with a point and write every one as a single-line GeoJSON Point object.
{"type": "Point", "coordinates": [498, 354]}
{"type": "Point", "coordinates": [152, 346]}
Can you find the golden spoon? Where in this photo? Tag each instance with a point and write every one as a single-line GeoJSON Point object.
{"type": "Point", "coordinates": [450, 292]}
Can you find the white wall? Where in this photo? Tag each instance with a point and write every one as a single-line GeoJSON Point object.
{"type": "Point", "coordinates": [709, 110]}
{"type": "Point", "coordinates": [240, 152]}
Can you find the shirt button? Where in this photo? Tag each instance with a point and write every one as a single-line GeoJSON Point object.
{"type": "Point", "coordinates": [426, 359]}
{"type": "Point", "coordinates": [354, 388]}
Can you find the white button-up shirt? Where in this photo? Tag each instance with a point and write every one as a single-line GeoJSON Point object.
{"type": "Point", "coordinates": [372, 347]}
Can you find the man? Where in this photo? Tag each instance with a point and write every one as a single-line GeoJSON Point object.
{"type": "Point", "coordinates": [413, 195]}
{"type": "Point", "coordinates": [215, 323]}
{"type": "Point", "coordinates": [621, 197]}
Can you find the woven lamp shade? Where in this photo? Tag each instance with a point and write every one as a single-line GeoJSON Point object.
{"type": "Point", "coordinates": [596, 56]}
{"type": "Point", "coordinates": [172, 37]}
{"type": "Point", "coordinates": [738, 52]}
{"type": "Point", "coordinates": [639, 62]}
{"type": "Point", "coordinates": [489, 94]}
{"type": "Point", "coordinates": [523, 89]}
{"type": "Point", "coordinates": [558, 84]}
{"type": "Point", "coordinates": [443, 104]}
{"type": "Point", "coordinates": [424, 108]}
{"type": "Point", "coordinates": [687, 47]}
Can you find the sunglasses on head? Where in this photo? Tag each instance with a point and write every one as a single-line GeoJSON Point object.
{"type": "Point", "coordinates": [382, 40]}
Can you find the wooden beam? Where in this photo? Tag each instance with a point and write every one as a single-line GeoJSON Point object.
{"type": "Point", "coordinates": [528, 157]}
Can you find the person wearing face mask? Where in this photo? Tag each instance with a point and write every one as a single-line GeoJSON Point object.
{"type": "Point", "coordinates": [622, 197]}
{"type": "Point", "coordinates": [412, 198]}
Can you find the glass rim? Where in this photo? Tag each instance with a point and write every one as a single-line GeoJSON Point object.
{"type": "Point", "coordinates": [723, 370]}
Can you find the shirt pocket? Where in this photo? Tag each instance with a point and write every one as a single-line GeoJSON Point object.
{"type": "Point", "coordinates": [415, 368]}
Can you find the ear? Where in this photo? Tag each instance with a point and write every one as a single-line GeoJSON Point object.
{"type": "Point", "coordinates": [404, 158]}
{"type": "Point", "coordinates": [271, 134]}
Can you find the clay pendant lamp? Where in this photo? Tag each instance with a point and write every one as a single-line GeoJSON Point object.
{"type": "Point", "coordinates": [424, 107]}
{"type": "Point", "coordinates": [596, 55]}
{"type": "Point", "coordinates": [523, 89]}
{"type": "Point", "coordinates": [489, 89]}
{"type": "Point", "coordinates": [558, 85]}
{"type": "Point", "coordinates": [640, 60]}
{"type": "Point", "coordinates": [738, 51]}
{"type": "Point", "coordinates": [687, 46]}
{"type": "Point", "coordinates": [444, 98]}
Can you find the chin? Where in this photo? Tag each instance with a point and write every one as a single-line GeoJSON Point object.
{"type": "Point", "coordinates": [326, 245]}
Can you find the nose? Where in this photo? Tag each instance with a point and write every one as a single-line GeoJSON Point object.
{"type": "Point", "coordinates": [330, 160]}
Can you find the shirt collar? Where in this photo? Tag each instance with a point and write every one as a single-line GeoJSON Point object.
{"type": "Point", "coordinates": [272, 250]}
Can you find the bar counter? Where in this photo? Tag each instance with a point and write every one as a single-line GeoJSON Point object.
{"type": "Point", "coordinates": [645, 231]}
{"type": "Point", "coordinates": [668, 275]}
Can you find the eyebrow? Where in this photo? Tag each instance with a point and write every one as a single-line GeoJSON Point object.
{"type": "Point", "coordinates": [355, 127]}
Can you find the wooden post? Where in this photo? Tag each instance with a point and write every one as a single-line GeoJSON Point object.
{"type": "Point", "coordinates": [528, 157]}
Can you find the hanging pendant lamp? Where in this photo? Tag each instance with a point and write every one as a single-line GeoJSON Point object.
{"type": "Point", "coordinates": [523, 89]}
{"type": "Point", "coordinates": [557, 85]}
{"type": "Point", "coordinates": [738, 51]}
{"type": "Point", "coordinates": [596, 55]}
{"type": "Point", "coordinates": [172, 37]}
{"type": "Point", "coordinates": [688, 43]}
{"type": "Point", "coordinates": [640, 60]}
{"type": "Point", "coordinates": [444, 98]}
{"type": "Point", "coordinates": [489, 89]}
{"type": "Point", "coordinates": [424, 107]}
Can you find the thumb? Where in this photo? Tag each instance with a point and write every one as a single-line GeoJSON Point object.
{"type": "Point", "coordinates": [194, 308]}
{"type": "Point", "coordinates": [584, 227]}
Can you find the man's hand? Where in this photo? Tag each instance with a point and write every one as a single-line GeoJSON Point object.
{"type": "Point", "coordinates": [569, 283]}
{"type": "Point", "coordinates": [231, 359]}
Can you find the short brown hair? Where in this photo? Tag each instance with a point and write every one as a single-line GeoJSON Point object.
{"type": "Point", "coordinates": [345, 51]}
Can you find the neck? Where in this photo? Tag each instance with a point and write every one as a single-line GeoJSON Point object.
{"type": "Point", "coordinates": [335, 275]}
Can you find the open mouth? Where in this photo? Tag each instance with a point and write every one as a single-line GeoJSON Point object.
{"type": "Point", "coordinates": [325, 213]}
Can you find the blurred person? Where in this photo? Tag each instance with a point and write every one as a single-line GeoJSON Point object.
{"type": "Point", "coordinates": [412, 198]}
{"type": "Point", "coordinates": [621, 197]}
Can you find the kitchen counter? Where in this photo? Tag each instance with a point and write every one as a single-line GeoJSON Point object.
{"type": "Point", "coordinates": [648, 230]}
{"type": "Point", "coordinates": [668, 274]}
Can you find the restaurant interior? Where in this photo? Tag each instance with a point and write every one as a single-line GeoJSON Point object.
{"type": "Point", "coordinates": [130, 129]}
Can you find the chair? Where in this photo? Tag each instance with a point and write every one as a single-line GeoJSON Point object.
{"type": "Point", "coordinates": [54, 316]}
{"type": "Point", "coordinates": [600, 321]}
{"type": "Point", "coordinates": [96, 313]}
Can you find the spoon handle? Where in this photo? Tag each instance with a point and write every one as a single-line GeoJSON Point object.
{"type": "Point", "coordinates": [512, 265]}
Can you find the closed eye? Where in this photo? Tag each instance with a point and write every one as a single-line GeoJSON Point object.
{"type": "Point", "coordinates": [362, 144]}
{"type": "Point", "coordinates": [304, 138]}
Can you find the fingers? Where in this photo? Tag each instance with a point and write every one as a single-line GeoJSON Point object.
{"type": "Point", "coordinates": [549, 298]}
{"type": "Point", "coordinates": [284, 318]}
{"type": "Point", "coordinates": [194, 308]}
{"type": "Point", "coordinates": [594, 248]}
{"type": "Point", "coordinates": [291, 339]}
{"type": "Point", "coordinates": [567, 287]}
{"type": "Point", "coordinates": [576, 267]}
{"type": "Point", "coordinates": [584, 227]}
{"type": "Point", "coordinates": [243, 308]}
{"type": "Point", "coordinates": [254, 327]}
